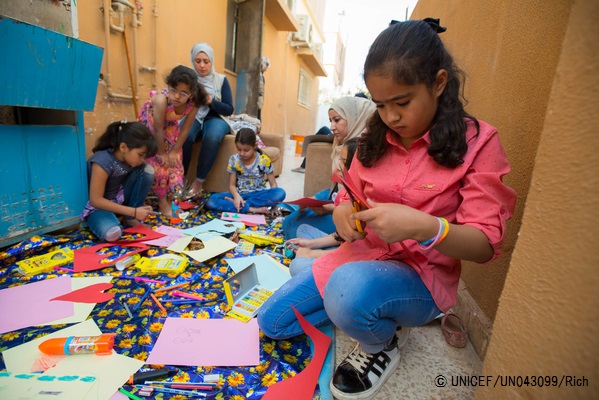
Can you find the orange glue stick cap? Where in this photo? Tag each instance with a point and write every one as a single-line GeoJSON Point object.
{"type": "Point", "coordinates": [101, 345]}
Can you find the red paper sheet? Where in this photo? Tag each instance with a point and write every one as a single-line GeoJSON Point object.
{"type": "Point", "coordinates": [149, 234]}
{"type": "Point", "coordinates": [301, 386]}
{"type": "Point", "coordinates": [349, 185]}
{"type": "Point", "coordinates": [89, 294]}
{"type": "Point", "coordinates": [185, 205]}
{"type": "Point", "coordinates": [309, 202]}
{"type": "Point", "coordinates": [88, 259]}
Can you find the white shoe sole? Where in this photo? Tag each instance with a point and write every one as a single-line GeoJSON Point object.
{"type": "Point", "coordinates": [370, 393]}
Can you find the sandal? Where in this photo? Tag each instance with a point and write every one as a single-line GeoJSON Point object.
{"type": "Point", "coordinates": [191, 193]}
{"type": "Point", "coordinates": [454, 330]}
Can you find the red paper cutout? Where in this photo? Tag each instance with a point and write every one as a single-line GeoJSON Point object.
{"type": "Point", "coordinates": [185, 205]}
{"type": "Point", "coordinates": [349, 185]}
{"type": "Point", "coordinates": [88, 259]}
{"type": "Point", "coordinates": [301, 386]}
{"type": "Point", "coordinates": [149, 234]}
{"type": "Point", "coordinates": [309, 202]}
{"type": "Point", "coordinates": [89, 294]}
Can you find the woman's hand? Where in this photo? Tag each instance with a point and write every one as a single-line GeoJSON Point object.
{"type": "Point", "coordinates": [346, 223]}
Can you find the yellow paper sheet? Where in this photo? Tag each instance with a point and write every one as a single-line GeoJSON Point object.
{"type": "Point", "coordinates": [21, 358]}
{"type": "Point", "coordinates": [33, 386]}
{"type": "Point", "coordinates": [213, 247]}
{"type": "Point", "coordinates": [111, 372]}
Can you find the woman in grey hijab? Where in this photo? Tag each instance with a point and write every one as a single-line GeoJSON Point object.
{"type": "Point", "coordinates": [208, 126]}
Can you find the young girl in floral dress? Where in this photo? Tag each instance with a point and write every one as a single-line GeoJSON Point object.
{"type": "Point", "coordinates": [162, 113]}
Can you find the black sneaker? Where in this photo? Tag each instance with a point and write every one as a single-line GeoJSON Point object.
{"type": "Point", "coordinates": [361, 375]}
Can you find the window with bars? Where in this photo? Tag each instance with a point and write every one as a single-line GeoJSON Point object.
{"type": "Point", "coordinates": [304, 89]}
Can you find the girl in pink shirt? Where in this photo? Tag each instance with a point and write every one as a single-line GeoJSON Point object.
{"type": "Point", "coordinates": [431, 178]}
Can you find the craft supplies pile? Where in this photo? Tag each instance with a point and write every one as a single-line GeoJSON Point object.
{"type": "Point", "coordinates": [165, 312]}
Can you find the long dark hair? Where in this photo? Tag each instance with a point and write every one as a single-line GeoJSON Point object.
{"type": "Point", "coordinates": [134, 134]}
{"type": "Point", "coordinates": [411, 53]}
{"type": "Point", "coordinates": [352, 146]}
{"type": "Point", "coordinates": [186, 75]}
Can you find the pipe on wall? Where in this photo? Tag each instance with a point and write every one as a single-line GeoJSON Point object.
{"type": "Point", "coordinates": [108, 25]}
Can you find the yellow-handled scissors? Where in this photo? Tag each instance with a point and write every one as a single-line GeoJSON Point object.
{"type": "Point", "coordinates": [355, 206]}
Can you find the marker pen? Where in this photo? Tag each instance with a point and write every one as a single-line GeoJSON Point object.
{"type": "Point", "coordinates": [141, 377]}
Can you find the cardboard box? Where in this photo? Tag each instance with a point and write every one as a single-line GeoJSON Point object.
{"type": "Point", "coordinates": [245, 296]}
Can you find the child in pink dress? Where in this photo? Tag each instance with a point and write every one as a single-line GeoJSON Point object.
{"type": "Point", "coordinates": [162, 113]}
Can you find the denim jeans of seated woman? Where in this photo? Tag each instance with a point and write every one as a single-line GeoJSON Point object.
{"type": "Point", "coordinates": [307, 216]}
{"type": "Point", "coordinates": [299, 264]}
{"type": "Point", "coordinates": [136, 188]}
{"type": "Point", "coordinates": [211, 132]}
{"type": "Point", "coordinates": [365, 299]}
{"type": "Point", "coordinates": [259, 198]}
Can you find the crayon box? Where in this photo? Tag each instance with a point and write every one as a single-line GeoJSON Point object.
{"type": "Point", "coordinates": [245, 296]}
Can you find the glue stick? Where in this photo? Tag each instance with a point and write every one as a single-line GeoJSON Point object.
{"type": "Point", "coordinates": [101, 345]}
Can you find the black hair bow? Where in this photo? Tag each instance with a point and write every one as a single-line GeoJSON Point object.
{"type": "Point", "coordinates": [434, 23]}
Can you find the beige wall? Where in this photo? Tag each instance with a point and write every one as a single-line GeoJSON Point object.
{"type": "Point", "coordinates": [509, 50]}
{"type": "Point", "coordinates": [532, 70]}
{"type": "Point", "coordinates": [281, 111]}
{"type": "Point", "coordinates": [168, 31]}
{"type": "Point", "coordinates": [546, 323]}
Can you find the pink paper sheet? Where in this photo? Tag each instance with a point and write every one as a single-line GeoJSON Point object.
{"type": "Point", "coordinates": [29, 305]}
{"type": "Point", "coordinates": [248, 219]}
{"type": "Point", "coordinates": [207, 342]}
{"type": "Point", "coordinates": [172, 235]}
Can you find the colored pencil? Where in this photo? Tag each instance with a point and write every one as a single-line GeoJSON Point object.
{"type": "Point", "coordinates": [168, 383]}
{"type": "Point", "coordinates": [158, 303]}
{"type": "Point", "coordinates": [188, 296]}
{"type": "Point", "coordinates": [164, 289]}
{"type": "Point", "coordinates": [129, 394]}
{"type": "Point", "coordinates": [173, 391]}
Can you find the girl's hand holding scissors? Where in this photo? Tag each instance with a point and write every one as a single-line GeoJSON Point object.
{"type": "Point", "coordinates": [346, 223]}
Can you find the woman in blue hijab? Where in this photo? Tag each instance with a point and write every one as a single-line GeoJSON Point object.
{"type": "Point", "coordinates": [208, 125]}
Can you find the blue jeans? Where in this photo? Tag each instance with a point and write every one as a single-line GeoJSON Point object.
{"type": "Point", "coordinates": [366, 299]}
{"type": "Point", "coordinates": [136, 188]}
{"type": "Point", "coordinates": [309, 217]}
{"type": "Point", "coordinates": [211, 132]}
{"type": "Point", "coordinates": [299, 264]}
{"type": "Point", "coordinates": [259, 198]}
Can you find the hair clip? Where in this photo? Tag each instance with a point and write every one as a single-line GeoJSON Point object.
{"type": "Point", "coordinates": [434, 23]}
{"type": "Point", "coordinates": [123, 122]}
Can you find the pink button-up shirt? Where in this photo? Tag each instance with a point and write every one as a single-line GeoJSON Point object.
{"type": "Point", "coordinates": [471, 194]}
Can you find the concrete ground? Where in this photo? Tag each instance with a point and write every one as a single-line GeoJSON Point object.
{"type": "Point", "coordinates": [427, 360]}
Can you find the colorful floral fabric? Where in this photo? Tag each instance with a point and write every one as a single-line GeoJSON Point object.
{"type": "Point", "coordinates": [279, 359]}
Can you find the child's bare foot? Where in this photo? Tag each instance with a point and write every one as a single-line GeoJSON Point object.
{"type": "Point", "coordinates": [165, 207]}
{"type": "Point", "coordinates": [259, 210]}
{"type": "Point", "coordinates": [131, 222]}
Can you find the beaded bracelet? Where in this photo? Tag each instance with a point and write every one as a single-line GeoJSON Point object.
{"type": "Point", "coordinates": [438, 238]}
